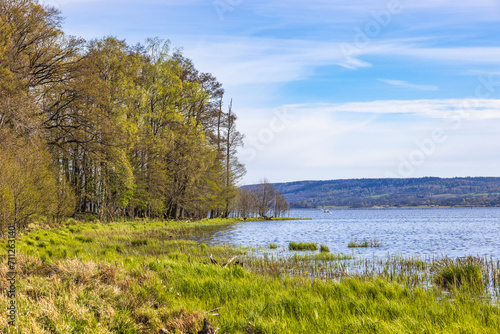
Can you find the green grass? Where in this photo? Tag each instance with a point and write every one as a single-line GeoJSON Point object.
{"type": "Point", "coordinates": [459, 273]}
{"type": "Point", "coordinates": [324, 249]}
{"type": "Point", "coordinates": [355, 244]}
{"type": "Point", "coordinates": [302, 246]}
{"type": "Point", "coordinates": [374, 243]}
{"type": "Point", "coordinates": [322, 256]}
{"type": "Point", "coordinates": [110, 286]}
{"type": "Point", "coordinates": [272, 245]}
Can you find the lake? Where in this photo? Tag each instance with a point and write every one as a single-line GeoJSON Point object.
{"type": "Point", "coordinates": [453, 232]}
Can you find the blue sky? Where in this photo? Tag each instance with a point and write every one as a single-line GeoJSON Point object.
{"type": "Point", "coordinates": [336, 89]}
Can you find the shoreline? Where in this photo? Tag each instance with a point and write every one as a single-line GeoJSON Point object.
{"type": "Point", "coordinates": [139, 277]}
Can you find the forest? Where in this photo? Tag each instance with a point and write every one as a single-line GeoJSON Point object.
{"type": "Point", "coordinates": [105, 128]}
{"type": "Point", "coordinates": [367, 193]}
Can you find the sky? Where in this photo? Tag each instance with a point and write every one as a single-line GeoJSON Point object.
{"type": "Point", "coordinates": [335, 89]}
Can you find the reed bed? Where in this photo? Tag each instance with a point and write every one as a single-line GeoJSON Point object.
{"type": "Point", "coordinates": [302, 246]}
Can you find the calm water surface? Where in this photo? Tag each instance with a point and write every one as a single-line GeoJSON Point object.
{"type": "Point", "coordinates": [451, 232]}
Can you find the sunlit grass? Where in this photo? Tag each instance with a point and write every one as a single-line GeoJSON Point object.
{"type": "Point", "coordinates": [140, 277]}
{"type": "Point", "coordinates": [302, 246]}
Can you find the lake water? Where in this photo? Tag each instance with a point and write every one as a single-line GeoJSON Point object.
{"type": "Point", "coordinates": [453, 232]}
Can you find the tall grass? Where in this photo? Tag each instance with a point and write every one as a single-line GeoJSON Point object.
{"type": "Point", "coordinates": [302, 246]}
{"type": "Point", "coordinates": [460, 272]}
{"type": "Point", "coordinates": [373, 242]}
{"type": "Point", "coordinates": [110, 286]}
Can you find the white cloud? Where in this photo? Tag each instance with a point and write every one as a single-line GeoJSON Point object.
{"type": "Point", "coordinates": [327, 141]}
{"type": "Point", "coordinates": [405, 84]}
{"type": "Point", "coordinates": [472, 109]}
{"type": "Point", "coordinates": [239, 61]}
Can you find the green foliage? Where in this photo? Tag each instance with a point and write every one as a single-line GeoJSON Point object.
{"type": "Point", "coordinates": [302, 246]}
{"type": "Point", "coordinates": [273, 245]}
{"type": "Point", "coordinates": [324, 249]}
{"type": "Point", "coordinates": [119, 130]}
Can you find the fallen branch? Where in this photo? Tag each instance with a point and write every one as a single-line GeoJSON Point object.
{"type": "Point", "coordinates": [214, 261]}
{"type": "Point", "coordinates": [229, 262]}
{"type": "Point", "coordinates": [207, 328]}
{"type": "Point", "coordinates": [215, 309]}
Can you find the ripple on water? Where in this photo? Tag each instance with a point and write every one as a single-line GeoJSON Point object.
{"type": "Point", "coordinates": [451, 232]}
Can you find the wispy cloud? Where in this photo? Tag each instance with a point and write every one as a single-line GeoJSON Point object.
{"type": "Point", "coordinates": [326, 141]}
{"type": "Point", "coordinates": [405, 84]}
{"type": "Point", "coordinates": [473, 109]}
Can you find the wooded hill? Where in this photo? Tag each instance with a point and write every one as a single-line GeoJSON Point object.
{"type": "Point", "coordinates": [366, 193]}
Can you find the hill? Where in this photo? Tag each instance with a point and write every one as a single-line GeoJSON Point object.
{"type": "Point", "coordinates": [366, 193]}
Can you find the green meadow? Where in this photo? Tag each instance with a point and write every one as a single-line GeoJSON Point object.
{"type": "Point", "coordinates": [151, 277]}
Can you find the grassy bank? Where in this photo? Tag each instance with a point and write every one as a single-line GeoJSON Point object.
{"type": "Point", "coordinates": [141, 277]}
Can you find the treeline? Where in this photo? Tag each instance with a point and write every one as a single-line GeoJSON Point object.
{"type": "Point", "coordinates": [106, 128]}
{"type": "Point", "coordinates": [365, 193]}
{"type": "Point", "coordinates": [261, 200]}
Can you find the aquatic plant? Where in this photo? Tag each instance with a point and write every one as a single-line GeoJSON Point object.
{"type": "Point", "coordinates": [374, 243]}
{"type": "Point", "coordinates": [302, 246]}
{"type": "Point", "coordinates": [324, 249]}
{"type": "Point", "coordinates": [459, 272]}
{"type": "Point", "coordinates": [355, 244]}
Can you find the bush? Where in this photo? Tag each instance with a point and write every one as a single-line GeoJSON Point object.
{"type": "Point", "coordinates": [272, 245]}
{"type": "Point", "coordinates": [301, 246]}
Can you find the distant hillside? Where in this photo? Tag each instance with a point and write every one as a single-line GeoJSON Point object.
{"type": "Point", "coordinates": [364, 193]}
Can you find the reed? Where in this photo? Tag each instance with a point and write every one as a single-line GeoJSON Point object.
{"type": "Point", "coordinates": [324, 249]}
{"type": "Point", "coordinates": [451, 273]}
{"type": "Point", "coordinates": [373, 242]}
{"type": "Point", "coordinates": [302, 246]}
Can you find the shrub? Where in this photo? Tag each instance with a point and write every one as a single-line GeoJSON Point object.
{"type": "Point", "coordinates": [272, 245]}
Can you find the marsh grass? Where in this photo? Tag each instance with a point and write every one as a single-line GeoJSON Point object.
{"type": "Point", "coordinates": [272, 245]}
{"type": "Point", "coordinates": [373, 242]}
{"type": "Point", "coordinates": [324, 249]}
{"type": "Point", "coordinates": [302, 246]}
{"type": "Point", "coordinates": [355, 244]}
{"type": "Point", "coordinates": [110, 286]}
{"type": "Point", "coordinates": [460, 272]}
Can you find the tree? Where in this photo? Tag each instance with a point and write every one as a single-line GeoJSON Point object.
{"type": "Point", "coordinates": [263, 200]}
{"type": "Point", "coordinates": [128, 130]}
